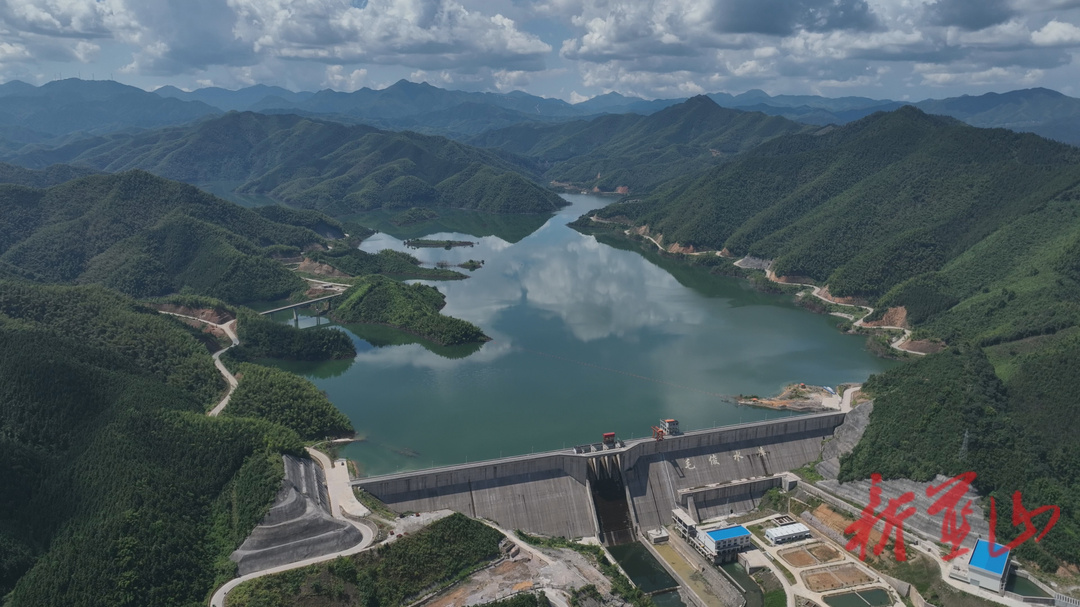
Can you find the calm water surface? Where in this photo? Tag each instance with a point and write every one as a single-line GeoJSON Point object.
{"type": "Point", "coordinates": [587, 338]}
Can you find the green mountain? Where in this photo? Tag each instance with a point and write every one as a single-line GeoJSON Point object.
{"type": "Point", "coordinates": [318, 165]}
{"type": "Point", "coordinates": [118, 489]}
{"type": "Point", "coordinates": [43, 178]}
{"type": "Point", "coordinates": [412, 308]}
{"type": "Point", "coordinates": [975, 234]}
{"type": "Point", "coordinates": [145, 236]}
{"type": "Point", "coordinates": [639, 151]}
{"type": "Point", "coordinates": [870, 205]}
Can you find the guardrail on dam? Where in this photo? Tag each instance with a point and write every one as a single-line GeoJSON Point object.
{"type": "Point", "coordinates": [551, 493]}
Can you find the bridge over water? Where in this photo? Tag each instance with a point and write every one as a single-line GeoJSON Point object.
{"type": "Point", "coordinates": [301, 304]}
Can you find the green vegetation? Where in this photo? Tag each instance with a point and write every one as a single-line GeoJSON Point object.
{"type": "Point", "coordinates": [117, 489]}
{"type": "Point", "coordinates": [509, 227]}
{"type": "Point", "coordinates": [528, 599]}
{"type": "Point", "coordinates": [639, 151]}
{"type": "Point", "coordinates": [587, 591]}
{"type": "Point", "coordinates": [319, 165]}
{"type": "Point", "coordinates": [775, 598]}
{"type": "Point", "coordinates": [261, 337]}
{"type": "Point", "coordinates": [974, 233]}
{"type": "Point", "coordinates": [392, 575]}
{"type": "Point", "coordinates": [414, 215]}
{"type": "Point", "coordinates": [949, 413]}
{"type": "Point", "coordinates": [620, 586]}
{"type": "Point", "coordinates": [44, 178]}
{"type": "Point", "coordinates": [399, 265]}
{"type": "Point", "coordinates": [374, 504]}
{"type": "Point", "coordinates": [286, 399]}
{"type": "Point", "coordinates": [146, 236]}
{"type": "Point", "coordinates": [867, 206]}
{"type": "Point", "coordinates": [382, 336]}
{"type": "Point", "coordinates": [437, 244]}
{"type": "Point", "coordinates": [925, 576]}
{"type": "Point", "coordinates": [411, 308]}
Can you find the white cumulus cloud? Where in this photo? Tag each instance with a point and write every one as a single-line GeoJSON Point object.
{"type": "Point", "coordinates": [1057, 33]}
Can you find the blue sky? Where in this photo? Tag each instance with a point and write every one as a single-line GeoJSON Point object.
{"type": "Point", "coordinates": [572, 49]}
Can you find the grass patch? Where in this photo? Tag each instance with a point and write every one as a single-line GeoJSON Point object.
{"type": "Point", "coordinates": [809, 473]}
{"type": "Point", "coordinates": [374, 504]}
{"type": "Point", "coordinates": [776, 598]}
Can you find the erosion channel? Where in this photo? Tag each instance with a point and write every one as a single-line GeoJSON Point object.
{"type": "Point", "coordinates": [587, 338]}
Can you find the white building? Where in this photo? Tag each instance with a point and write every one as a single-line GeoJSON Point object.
{"type": "Point", "coordinates": [720, 545]}
{"type": "Point", "coordinates": [787, 533]}
{"type": "Point", "coordinates": [717, 545]}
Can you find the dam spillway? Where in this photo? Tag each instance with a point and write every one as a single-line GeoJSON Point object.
{"type": "Point", "coordinates": [707, 472]}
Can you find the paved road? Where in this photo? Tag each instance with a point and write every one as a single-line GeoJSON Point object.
{"type": "Point", "coordinates": [330, 286]}
{"type": "Point", "coordinates": [228, 328]}
{"type": "Point", "coordinates": [896, 344]}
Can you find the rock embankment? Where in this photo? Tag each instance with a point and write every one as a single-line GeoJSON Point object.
{"type": "Point", "coordinates": [844, 439]}
{"type": "Point", "coordinates": [298, 526]}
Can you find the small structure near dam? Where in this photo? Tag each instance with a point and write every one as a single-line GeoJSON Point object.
{"type": "Point", "coordinates": [622, 489]}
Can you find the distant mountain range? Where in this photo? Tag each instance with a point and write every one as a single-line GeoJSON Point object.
{"type": "Point", "coordinates": [315, 164]}
{"type": "Point", "coordinates": [635, 152]}
{"type": "Point", "coordinates": [34, 115]}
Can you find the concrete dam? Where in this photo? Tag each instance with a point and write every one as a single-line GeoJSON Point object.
{"type": "Point", "coordinates": [614, 491]}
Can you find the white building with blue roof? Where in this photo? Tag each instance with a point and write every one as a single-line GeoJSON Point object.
{"type": "Point", "coordinates": [986, 570]}
{"type": "Point", "coordinates": [717, 545]}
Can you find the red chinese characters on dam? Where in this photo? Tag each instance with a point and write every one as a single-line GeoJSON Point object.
{"type": "Point", "coordinates": [954, 526]}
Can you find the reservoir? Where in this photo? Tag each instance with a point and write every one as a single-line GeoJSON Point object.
{"type": "Point", "coordinates": [587, 338]}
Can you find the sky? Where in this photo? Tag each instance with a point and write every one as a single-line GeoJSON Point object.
{"type": "Point", "coordinates": [570, 49]}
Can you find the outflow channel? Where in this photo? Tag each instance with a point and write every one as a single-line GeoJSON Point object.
{"type": "Point", "coordinates": [617, 533]}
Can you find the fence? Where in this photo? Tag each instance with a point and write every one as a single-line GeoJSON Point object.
{"type": "Point", "coordinates": [1061, 600]}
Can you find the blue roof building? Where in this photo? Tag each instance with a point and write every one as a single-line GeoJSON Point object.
{"type": "Point", "coordinates": [720, 535]}
{"type": "Point", "coordinates": [720, 545]}
{"type": "Point", "coordinates": [987, 570]}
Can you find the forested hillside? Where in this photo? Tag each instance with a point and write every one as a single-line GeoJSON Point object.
{"type": "Point", "coordinates": [412, 308]}
{"type": "Point", "coordinates": [147, 236]}
{"type": "Point", "coordinates": [869, 205]}
{"type": "Point", "coordinates": [950, 413]}
{"type": "Point", "coordinates": [975, 233]}
{"type": "Point", "coordinates": [40, 178]}
{"type": "Point", "coordinates": [315, 164]}
{"type": "Point", "coordinates": [640, 151]}
{"type": "Point", "coordinates": [117, 489]}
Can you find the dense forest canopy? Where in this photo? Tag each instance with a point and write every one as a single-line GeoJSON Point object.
{"type": "Point", "coordinates": [114, 480]}
{"type": "Point", "coordinates": [148, 236]}
{"type": "Point", "coordinates": [414, 308]}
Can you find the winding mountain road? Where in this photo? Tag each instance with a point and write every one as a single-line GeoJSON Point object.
{"type": "Point", "coordinates": [816, 291]}
{"type": "Point", "coordinates": [343, 502]}
{"type": "Point", "coordinates": [229, 329]}
{"type": "Point", "coordinates": [896, 344]}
